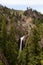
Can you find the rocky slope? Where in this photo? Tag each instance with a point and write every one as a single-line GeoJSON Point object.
{"type": "Point", "coordinates": [22, 21]}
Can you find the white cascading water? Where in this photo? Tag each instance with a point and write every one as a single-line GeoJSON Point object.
{"type": "Point", "coordinates": [21, 39]}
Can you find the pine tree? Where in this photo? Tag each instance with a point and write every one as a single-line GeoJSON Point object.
{"type": "Point", "coordinates": [33, 48]}
{"type": "Point", "coordinates": [3, 33]}
{"type": "Point", "coordinates": [12, 48]}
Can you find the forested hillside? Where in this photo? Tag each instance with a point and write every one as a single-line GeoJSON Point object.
{"type": "Point", "coordinates": [13, 25]}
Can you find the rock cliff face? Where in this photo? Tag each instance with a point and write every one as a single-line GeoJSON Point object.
{"type": "Point", "coordinates": [20, 18]}
{"type": "Point", "coordinates": [22, 21]}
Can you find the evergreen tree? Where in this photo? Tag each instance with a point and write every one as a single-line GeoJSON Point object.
{"type": "Point", "coordinates": [12, 48]}
{"type": "Point", "coordinates": [33, 48]}
{"type": "Point", "coordinates": [3, 32]}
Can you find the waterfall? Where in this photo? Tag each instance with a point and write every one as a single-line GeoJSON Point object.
{"type": "Point", "coordinates": [21, 39]}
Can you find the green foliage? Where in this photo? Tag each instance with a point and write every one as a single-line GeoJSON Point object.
{"type": "Point", "coordinates": [11, 48]}
{"type": "Point", "coordinates": [36, 22]}
{"type": "Point", "coordinates": [1, 63]}
{"type": "Point", "coordinates": [11, 52]}
{"type": "Point", "coordinates": [32, 53]}
{"type": "Point", "coordinates": [41, 62]}
{"type": "Point", "coordinates": [33, 48]}
{"type": "Point", "coordinates": [22, 57]}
